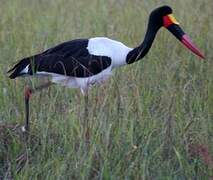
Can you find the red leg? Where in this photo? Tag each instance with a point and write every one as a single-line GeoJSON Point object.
{"type": "Point", "coordinates": [27, 94]}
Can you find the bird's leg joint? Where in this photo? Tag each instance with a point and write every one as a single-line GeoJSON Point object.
{"type": "Point", "coordinates": [28, 92]}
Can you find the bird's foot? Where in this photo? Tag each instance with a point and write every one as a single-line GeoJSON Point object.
{"type": "Point", "coordinates": [23, 129]}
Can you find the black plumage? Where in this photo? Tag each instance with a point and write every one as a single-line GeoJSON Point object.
{"type": "Point", "coordinates": [69, 58]}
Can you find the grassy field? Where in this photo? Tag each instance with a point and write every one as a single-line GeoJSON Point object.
{"type": "Point", "coordinates": [151, 120]}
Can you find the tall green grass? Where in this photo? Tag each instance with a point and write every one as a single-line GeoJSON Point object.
{"type": "Point", "coordinates": [151, 120]}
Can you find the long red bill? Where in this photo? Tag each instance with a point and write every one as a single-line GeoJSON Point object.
{"type": "Point", "coordinates": [189, 44]}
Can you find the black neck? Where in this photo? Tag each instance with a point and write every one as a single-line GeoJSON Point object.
{"type": "Point", "coordinates": [140, 51]}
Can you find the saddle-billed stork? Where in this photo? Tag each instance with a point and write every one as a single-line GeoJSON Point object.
{"type": "Point", "coordinates": [81, 63]}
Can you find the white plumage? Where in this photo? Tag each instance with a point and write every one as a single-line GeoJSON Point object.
{"type": "Point", "coordinates": [25, 70]}
{"type": "Point", "coordinates": [82, 83]}
{"type": "Point", "coordinates": [99, 46]}
{"type": "Point", "coordinates": [102, 46]}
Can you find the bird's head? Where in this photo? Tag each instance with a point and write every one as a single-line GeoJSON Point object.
{"type": "Point", "coordinates": [163, 17]}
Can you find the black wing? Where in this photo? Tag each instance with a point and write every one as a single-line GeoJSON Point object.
{"type": "Point", "coordinates": [69, 58]}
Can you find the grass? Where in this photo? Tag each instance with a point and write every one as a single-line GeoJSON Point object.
{"type": "Point", "coordinates": [151, 120]}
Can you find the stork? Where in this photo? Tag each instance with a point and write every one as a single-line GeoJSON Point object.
{"type": "Point", "coordinates": [81, 63]}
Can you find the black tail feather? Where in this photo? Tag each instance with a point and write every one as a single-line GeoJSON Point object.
{"type": "Point", "coordinates": [16, 70]}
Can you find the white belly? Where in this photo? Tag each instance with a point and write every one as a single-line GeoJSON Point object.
{"type": "Point", "coordinates": [82, 83]}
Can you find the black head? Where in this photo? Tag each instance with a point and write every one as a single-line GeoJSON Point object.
{"type": "Point", "coordinates": [162, 11]}
{"type": "Point", "coordinates": [158, 14]}
{"type": "Point", "coordinates": [163, 17]}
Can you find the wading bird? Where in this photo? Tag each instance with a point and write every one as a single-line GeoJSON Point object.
{"type": "Point", "coordinates": [81, 63]}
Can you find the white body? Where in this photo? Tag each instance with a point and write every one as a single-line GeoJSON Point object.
{"type": "Point", "coordinates": [99, 46]}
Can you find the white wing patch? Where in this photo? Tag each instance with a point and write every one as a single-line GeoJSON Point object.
{"type": "Point", "coordinates": [26, 69]}
{"type": "Point", "coordinates": [117, 51]}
